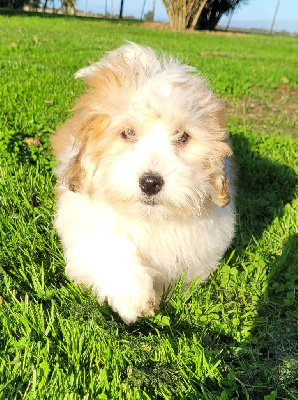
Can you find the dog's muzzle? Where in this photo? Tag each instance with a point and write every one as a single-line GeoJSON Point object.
{"type": "Point", "coordinates": [151, 183]}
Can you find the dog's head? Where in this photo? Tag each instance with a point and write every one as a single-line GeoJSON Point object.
{"type": "Point", "coordinates": [147, 137]}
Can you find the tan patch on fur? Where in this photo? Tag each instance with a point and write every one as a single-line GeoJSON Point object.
{"type": "Point", "coordinates": [86, 133]}
{"type": "Point", "coordinates": [105, 87]}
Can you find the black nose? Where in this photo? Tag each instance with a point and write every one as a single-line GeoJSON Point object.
{"type": "Point", "coordinates": [151, 183]}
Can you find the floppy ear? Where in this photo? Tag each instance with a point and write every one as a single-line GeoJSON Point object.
{"type": "Point", "coordinates": [221, 185]}
{"type": "Point", "coordinates": [220, 152]}
{"type": "Point", "coordinates": [220, 176]}
{"type": "Point", "coordinates": [81, 168]}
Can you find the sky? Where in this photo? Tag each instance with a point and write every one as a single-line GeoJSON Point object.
{"type": "Point", "coordinates": [256, 14]}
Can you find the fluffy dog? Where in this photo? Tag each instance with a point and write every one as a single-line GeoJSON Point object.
{"type": "Point", "coordinates": [144, 180]}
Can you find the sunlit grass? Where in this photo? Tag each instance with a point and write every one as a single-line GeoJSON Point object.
{"type": "Point", "coordinates": [233, 337]}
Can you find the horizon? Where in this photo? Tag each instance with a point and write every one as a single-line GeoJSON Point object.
{"type": "Point", "coordinates": [257, 14]}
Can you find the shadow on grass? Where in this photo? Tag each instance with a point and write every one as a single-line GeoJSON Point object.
{"type": "Point", "coordinates": [268, 359]}
{"type": "Point", "coordinates": [263, 189]}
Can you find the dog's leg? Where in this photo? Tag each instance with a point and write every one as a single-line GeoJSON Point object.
{"type": "Point", "coordinates": [114, 272]}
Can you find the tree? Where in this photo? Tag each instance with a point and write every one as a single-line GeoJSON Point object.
{"type": "Point", "coordinates": [12, 3]}
{"type": "Point", "coordinates": [68, 5]}
{"type": "Point", "coordinates": [149, 16]}
{"type": "Point", "coordinates": [33, 4]}
{"type": "Point", "coordinates": [46, 3]}
{"type": "Point", "coordinates": [214, 10]}
{"type": "Point", "coordinates": [200, 14]}
{"type": "Point", "coordinates": [183, 13]}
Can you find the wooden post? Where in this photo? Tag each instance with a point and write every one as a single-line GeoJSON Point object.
{"type": "Point", "coordinates": [153, 9]}
{"type": "Point", "coordinates": [274, 17]}
{"type": "Point", "coordinates": [231, 15]}
{"type": "Point", "coordinates": [143, 9]}
{"type": "Point", "coordinates": [121, 10]}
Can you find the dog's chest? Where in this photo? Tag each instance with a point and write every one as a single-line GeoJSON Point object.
{"type": "Point", "coordinates": [170, 246]}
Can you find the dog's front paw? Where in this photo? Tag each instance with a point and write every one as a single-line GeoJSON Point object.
{"type": "Point", "coordinates": [133, 308]}
{"type": "Point", "coordinates": [134, 298]}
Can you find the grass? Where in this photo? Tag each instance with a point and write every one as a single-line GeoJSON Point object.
{"type": "Point", "coordinates": [233, 337]}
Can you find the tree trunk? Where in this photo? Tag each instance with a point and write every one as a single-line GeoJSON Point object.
{"type": "Point", "coordinates": [208, 24]}
{"type": "Point", "coordinates": [177, 19]}
{"type": "Point", "coordinates": [198, 14]}
{"type": "Point", "coordinates": [183, 14]}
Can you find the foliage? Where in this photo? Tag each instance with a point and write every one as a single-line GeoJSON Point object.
{"type": "Point", "coordinates": [214, 10]}
{"type": "Point", "coordinates": [67, 6]}
{"type": "Point", "coordinates": [34, 4]}
{"type": "Point", "coordinates": [199, 14]}
{"type": "Point", "coordinates": [12, 3]}
{"type": "Point", "coordinates": [149, 16]}
{"type": "Point", "coordinates": [233, 337]}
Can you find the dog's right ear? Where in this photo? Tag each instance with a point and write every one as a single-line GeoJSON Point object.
{"type": "Point", "coordinates": [221, 196]}
{"type": "Point", "coordinates": [81, 168]}
{"type": "Point", "coordinates": [220, 151]}
{"type": "Point", "coordinates": [219, 179]}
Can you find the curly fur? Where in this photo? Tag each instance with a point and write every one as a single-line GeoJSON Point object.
{"type": "Point", "coordinates": [123, 243]}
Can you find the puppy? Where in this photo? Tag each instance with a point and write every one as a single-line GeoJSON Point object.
{"type": "Point", "coordinates": [144, 180]}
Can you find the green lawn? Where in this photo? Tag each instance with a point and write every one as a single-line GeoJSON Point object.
{"type": "Point", "coordinates": [233, 337]}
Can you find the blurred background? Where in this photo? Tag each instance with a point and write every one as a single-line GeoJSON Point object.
{"type": "Point", "coordinates": [256, 15]}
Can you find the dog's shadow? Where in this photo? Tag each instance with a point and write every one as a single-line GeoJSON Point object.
{"type": "Point", "coordinates": [264, 187]}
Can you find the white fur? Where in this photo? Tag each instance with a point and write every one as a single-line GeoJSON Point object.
{"type": "Point", "coordinates": [125, 249]}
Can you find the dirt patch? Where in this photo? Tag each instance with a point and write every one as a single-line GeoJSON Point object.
{"type": "Point", "coordinates": [274, 112]}
{"type": "Point", "coordinates": [224, 33]}
{"type": "Point", "coordinates": [220, 31]}
{"type": "Point", "coordinates": [216, 53]}
{"type": "Point", "coordinates": [165, 25]}
{"type": "Point", "coordinates": [155, 25]}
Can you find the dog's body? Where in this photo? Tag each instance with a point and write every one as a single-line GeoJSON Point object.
{"type": "Point", "coordinates": [143, 180]}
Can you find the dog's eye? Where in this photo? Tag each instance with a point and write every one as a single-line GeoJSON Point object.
{"type": "Point", "coordinates": [181, 139]}
{"type": "Point", "coordinates": [129, 134]}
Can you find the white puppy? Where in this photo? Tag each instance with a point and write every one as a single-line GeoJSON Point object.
{"type": "Point", "coordinates": [143, 180]}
